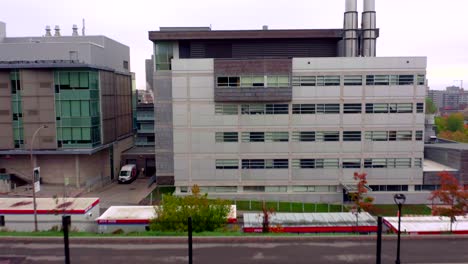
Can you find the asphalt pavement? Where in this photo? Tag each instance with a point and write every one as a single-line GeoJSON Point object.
{"type": "Point", "coordinates": [329, 250]}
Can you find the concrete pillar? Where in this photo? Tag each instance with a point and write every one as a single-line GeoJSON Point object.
{"type": "Point", "coordinates": [77, 171]}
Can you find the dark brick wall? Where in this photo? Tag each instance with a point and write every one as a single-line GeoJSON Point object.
{"type": "Point", "coordinates": [235, 67]}
{"type": "Point", "coordinates": [454, 158]}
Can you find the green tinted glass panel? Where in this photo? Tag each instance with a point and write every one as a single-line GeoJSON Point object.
{"type": "Point", "coordinates": [86, 133]}
{"type": "Point", "coordinates": [64, 78]}
{"type": "Point", "coordinates": [93, 80]}
{"type": "Point", "coordinates": [66, 133]}
{"type": "Point", "coordinates": [59, 134]}
{"type": "Point", "coordinates": [84, 79]}
{"type": "Point", "coordinates": [76, 133]}
{"type": "Point", "coordinates": [65, 108]}
{"type": "Point", "coordinates": [74, 79]}
{"type": "Point", "coordinates": [85, 108]}
{"type": "Point", "coordinates": [75, 108]}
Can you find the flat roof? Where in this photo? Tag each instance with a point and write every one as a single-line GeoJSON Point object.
{"type": "Point", "coordinates": [432, 166]}
{"type": "Point", "coordinates": [138, 215]}
{"type": "Point", "coordinates": [41, 64]}
{"type": "Point", "coordinates": [310, 219]}
{"type": "Point", "coordinates": [178, 34]}
{"type": "Point", "coordinates": [54, 152]}
{"type": "Point", "coordinates": [428, 224]}
{"type": "Point", "coordinates": [47, 205]}
{"type": "Point", "coordinates": [140, 151]}
{"type": "Point", "coordinates": [457, 146]}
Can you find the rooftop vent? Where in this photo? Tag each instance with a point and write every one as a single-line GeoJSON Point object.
{"type": "Point", "coordinates": [47, 31]}
{"type": "Point", "coordinates": [75, 30]}
{"type": "Point", "coordinates": [57, 31]}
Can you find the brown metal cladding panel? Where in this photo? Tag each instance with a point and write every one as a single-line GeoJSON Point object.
{"type": "Point", "coordinates": [6, 117]}
{"type": "Point", "coordinates": [108, 106]}
{"type": "Point", "coordinates": [229, 67]}
{"type": "Point", "coordinates": [6, 136]}
{"type": "Point", "coordinates": [108, 130]}
{"type": "Point", "coordinates": [38, 108]}
{"type": "Point", "coordinates": [245, 34]}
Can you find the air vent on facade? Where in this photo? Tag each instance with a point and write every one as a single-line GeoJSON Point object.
{"type": "Point", "coordinates": [32, 112]}
{"type": "Point", "coordinates": [47, 139]}
{"type": "Point", "coordinates": [45, 84]}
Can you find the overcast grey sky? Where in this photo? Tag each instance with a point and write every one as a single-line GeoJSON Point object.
{"type": "Point", "coordinates": [432, 28]}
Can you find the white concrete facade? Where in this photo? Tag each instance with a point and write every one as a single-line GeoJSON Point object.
{"type": "Point", "coordinates": [195, 124]}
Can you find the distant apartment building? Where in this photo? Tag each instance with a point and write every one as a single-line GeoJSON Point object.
{"type": "Point", "coordinates": [288, 114]}
{"type": "Point", "coordinates": [79, 90]}
{"type": "Point", "coordinates": [453, 99]}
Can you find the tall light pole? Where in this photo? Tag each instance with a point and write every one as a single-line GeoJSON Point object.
{"type": "Point", "coordinates": [399, 199]}
{"type": "Point", "coordinates": [32, 170]}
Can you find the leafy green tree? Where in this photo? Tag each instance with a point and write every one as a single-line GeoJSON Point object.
{"type": "Point", "coordinates": [455, 122]}
{"type": "Point", "coordinates": [431, 108]}
{"type": "Point", "coordinates": [441, 123]}
{"type": "Point", "coordinates": [207, 215]}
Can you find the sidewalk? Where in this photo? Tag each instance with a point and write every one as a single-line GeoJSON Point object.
{"type": "Point", "coordinates": [46, 191]}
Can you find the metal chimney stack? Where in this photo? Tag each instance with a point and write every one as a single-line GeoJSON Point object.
{"type": "Point", "coordinates": [75, 30]}
{"type": "Point", "coordinates": [351, 29]}
{"type": "Point", "coordinates": [369, 29]}
{"type": "Point", "coordinates": [47, 31]}
{"type": "Point", "coordinates": [57, 31]}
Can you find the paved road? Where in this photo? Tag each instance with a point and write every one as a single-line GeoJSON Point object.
{"type": "Point", "coordinates": [318, 250]}
{"type": "Point", "coordinates": [122, 194]}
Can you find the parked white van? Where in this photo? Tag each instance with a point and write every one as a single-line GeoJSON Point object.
{"type": "Point", "coordinates": [127, 173]}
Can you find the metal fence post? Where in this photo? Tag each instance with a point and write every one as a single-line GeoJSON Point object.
{"type": "Point", "coordinates": [379, 240]}
{"type": "Point", "coordinates": [190, 239]}
{"type": "Point", "coordinates": [66, 221]}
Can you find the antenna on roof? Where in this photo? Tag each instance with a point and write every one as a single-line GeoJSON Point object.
{"type": "Point", "coordinates": [210, 26]}
{"type": "Point", "coordinates": [83, 28]}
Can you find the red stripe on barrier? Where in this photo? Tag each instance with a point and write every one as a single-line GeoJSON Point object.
{"type": "Point", "coordinates": [314, 229]}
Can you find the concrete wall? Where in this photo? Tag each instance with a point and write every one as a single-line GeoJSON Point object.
{"type": "Point", "coordinates": [81, 171]}
{"type": "Point", "coordinates": [6, 117]}
{"type": "Point", "coordinates": [109, 229]}
{"type": "Point", "coordinates": [95, 50]}
{"type": "Point", "coordinates": [163, 122]}
{"type": "Point", "coordinates": [46, 222]}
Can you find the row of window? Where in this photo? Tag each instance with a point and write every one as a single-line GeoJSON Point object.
{"type": "Point", "coordinates": [253, 81]}
{"type": "Point", "coordinates": [318, 136]}
{"type": "Point", "coordinates": [224, 164]}
{"type": "Point", "coordinates": [283, 109]}
{"type": "Point", "coordinates": [307, 188]}
{"type": "Point", "coordinates": [357, 80]}
{"type": "Point", "coordinates": [280, 188]}
{"type": "Point", "coordinates": [329, 80]}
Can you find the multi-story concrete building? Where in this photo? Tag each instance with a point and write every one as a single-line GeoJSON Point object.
{"type": "Point", "coordinates": [75, 93]}
{"type": "Point", "coordinates": [287, 114]}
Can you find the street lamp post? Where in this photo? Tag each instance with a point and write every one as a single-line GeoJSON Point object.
{"type": "Point", "coordinates": [33, 182]}
{"type": "Point", "coordinates": [399, 199]}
